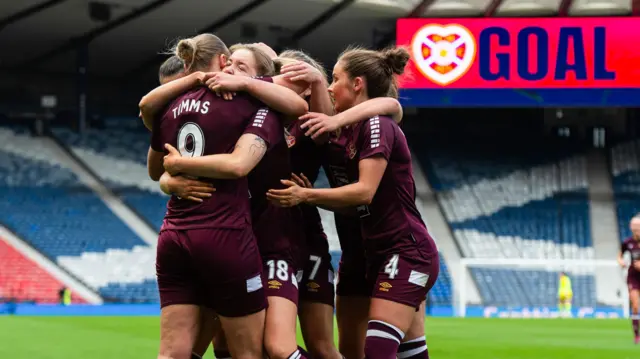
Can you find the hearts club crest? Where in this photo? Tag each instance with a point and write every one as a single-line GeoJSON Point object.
{"type": "Point", "coordinates": [443, 54]}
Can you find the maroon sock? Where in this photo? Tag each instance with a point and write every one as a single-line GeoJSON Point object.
{"type": "Point", "coordinates": [222, 353]}
{"type": "Point", "coordinates": [382, 341]}
{"type": "Point", "coordinates": [303, 352]}
{"type": "Point", "coordinates": [634, 321]}
{"type": "Point", "coordinates": [298, 354]}
{"type": "Point", "coordinates": [414, 349]}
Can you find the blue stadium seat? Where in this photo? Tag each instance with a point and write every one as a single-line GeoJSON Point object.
{"type": "Point", "coordinates": [515, 204]}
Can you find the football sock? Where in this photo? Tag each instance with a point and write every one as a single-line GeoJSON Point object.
{"type": "Point", "coordinates": [383, 340]}
{"type": "Point", "coordinates": [297, 355]}
{"type": "Point", "coordinates": [414, 349]}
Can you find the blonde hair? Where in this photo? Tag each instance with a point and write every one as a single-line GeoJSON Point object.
{"type": "Point", "coordinates": [265, 65]}
{"type": "Point", "coordinates": [377, 67]}
{"type": "Point", "coordinates": [301, 56]}
{"type": "Point", "coordinates": [197, 52]}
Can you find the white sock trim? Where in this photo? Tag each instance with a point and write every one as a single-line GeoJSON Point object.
{"type": "Point", "coordinates": [412, 352]}
{"type": "Point", "coordinates": [381, 334]}
{"type": "Point", "coordinates": [422, 338]}
{"type": "Point", "coordinates": [400, 332]}
{"type": "Point", "coordinates": [295, 355]}
{"type": "Point", "coordinates": [635, 317]}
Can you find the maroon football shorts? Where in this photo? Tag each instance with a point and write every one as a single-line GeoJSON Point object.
{"type": "Point", "coordinates": [404, 277]}
{"type": "Point", "coordinates": [317, 284]}
{"type": "Point", "coordinates": [217, 268]}
{"type": "Point", "coordinates": [633, 279]}
{"type": "Point", "coordinates": [282, 277]}
{"type": "Point", "coordinates": [352, 275]}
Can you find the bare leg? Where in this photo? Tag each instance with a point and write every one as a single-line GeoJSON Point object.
{"type": "Point", "coordinates": [179, 325]}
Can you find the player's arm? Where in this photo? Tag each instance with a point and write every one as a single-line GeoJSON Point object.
{"type": "Point", "coordinates": [621, 259]}
{"type": "Point", "coordinates": [355, 194]}
{"type": "Point", "coordinates": [154, 164]}
{"type": "Point", "coordinates": [249, 150]}
{"type": "Point", "coordinates": [279, 98]}
{"type": "Point", "coordinates": [318, 124]}
{"type": "Point", "coordinates": [153, 102]}
{"type": "Point", "coordinates": [186, 188]}
{"type": "Point", "coordinates": [303, 181]}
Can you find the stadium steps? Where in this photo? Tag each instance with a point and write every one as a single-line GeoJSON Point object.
{"type": "Point", "coordinates": [34, 275]}
{"type": "Point", "coordinates": [440, 229]}
{"type": "Point", "coordinates": [604, 223]}
{"type": "Point", "coordinates": [88, 177]}
{"type": "Point", "coordinates": [137, 220]}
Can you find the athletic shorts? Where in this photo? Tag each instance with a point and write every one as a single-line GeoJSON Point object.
{"type": "Point", "coordinates": [404, 277]}
{"type": "Point", "coordinates": [352, 276]}
{"type": "Point", "coordinates": [562, 296]}
{"type": "Point", "coordinates": [633, 280]}
{"type": "Point", "coordinates": [217, 268]}
{"type": "Point", "coordinates": [317, 283]}
{"type": "Point", "coordinates": [282, 277]}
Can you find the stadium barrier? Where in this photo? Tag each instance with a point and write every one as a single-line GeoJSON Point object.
{"type": "Point", "coordinates": [434, 311]}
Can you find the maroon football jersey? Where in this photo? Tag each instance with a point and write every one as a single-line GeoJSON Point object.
{"type": "Point", "coordinates": [338, 174]}
{"type": "Point", "coordinates": [306, 158]}
{"type": "Point", "coordinates": [391, 223]}
{"type": "Point", "coordinates": [633, 247]}
{"type": "Point", "coordinates": [278, 230]}
{"type": "Point", "coordinates": [199, 123]}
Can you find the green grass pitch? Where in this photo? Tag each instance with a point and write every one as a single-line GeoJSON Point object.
{"type": "Point", "coordinates": [137, 337]}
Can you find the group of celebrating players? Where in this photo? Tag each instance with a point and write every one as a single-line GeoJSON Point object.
{"type": "Point", "coordinates": [242, 253]}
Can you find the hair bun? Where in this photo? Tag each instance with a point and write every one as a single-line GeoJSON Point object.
{"type": "Point", "coordinates": [186, 51]}
{"type": "Point", "coordinates": [396, 59]}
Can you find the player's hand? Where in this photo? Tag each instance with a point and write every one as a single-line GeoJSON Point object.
{"type": "Point", "coordinates": [203, 77]}
{"type": "Point", "coordinates": [171, 161]}
{"type": "Point", "coordinates": [301, 71]}
{"type": "Point", "coordinates": [226, 85]}
{"type": "Point", "coordinates": [301, 180]}
{"type": "Point", "coordinates": [622, 263]}
{"type": "Point", "coordinates": [266, 49]}
{"type": "Point", "coordinates": [288, 197]}
{"type": "Point", "coordinates": [318, 124]}
{"type": "Point", "coordinates": [190, 189]}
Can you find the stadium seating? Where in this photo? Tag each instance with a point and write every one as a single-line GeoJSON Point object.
{"type": "Point", "coordinates": [520, 204]}
{"type": "Point", "coordinates": [23, 280]}
{"type": "Point", "coordinates": [520, 288]}
{"type": "Point", "coordinates": [625, 171]}
{"type": "Point", "coordinates": [65, 220]}
{"type": "Point", "coordinates": [119, 156]}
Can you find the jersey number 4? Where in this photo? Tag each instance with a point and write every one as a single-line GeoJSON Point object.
{"type": "Point", "coordinates": [191, 140]}
{"type": "Point", "coordinates": [391, 269]}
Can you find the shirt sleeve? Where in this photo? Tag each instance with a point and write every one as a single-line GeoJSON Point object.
{"type": "Point", "coordinates": [156, 136]}
{"type": "Point", "coordinates": [264, 78]}
{"type": "Point", "coordinates": [623, 247]}
{"type": "Point", "coordinates": [377, 138]}
{"type": "Point", "coordinates": [266, 125]}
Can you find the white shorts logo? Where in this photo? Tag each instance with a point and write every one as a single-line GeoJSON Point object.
{"type": "Point", "coordinates": [254, 284]}
{"type": "Point", "coordinates": [443, 53]}
{"type": "Point", "coordinates": [418, 278]}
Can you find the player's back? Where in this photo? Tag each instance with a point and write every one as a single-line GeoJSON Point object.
{"type": "Point", "coordinates": [306, 158]}
{"type": "Point", "coordinates": [277, 229]}
{"type": "Point", "coordinates": [335, 163]}
{"type": "Point", "coordinates": [199, 123]}
{"type": "Point", "coordinates": [392, 221]}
